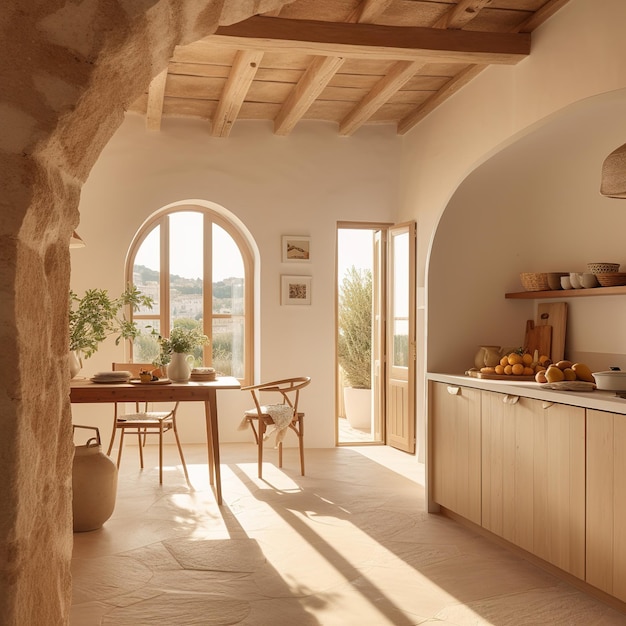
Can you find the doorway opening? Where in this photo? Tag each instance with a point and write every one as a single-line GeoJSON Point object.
{"type": "Point", "coordinates": [375, 337]}
{"type": "Point", "coordinates": [359, 334]}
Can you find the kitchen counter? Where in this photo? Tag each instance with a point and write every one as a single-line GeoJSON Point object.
{"type": "Point", "coordinates": [599, 400]}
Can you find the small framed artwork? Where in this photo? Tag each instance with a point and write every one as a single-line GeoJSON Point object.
{"type": "Point", "coordinates": [295, 289]}
{"type": "Point", "coordinates": [296, 249]}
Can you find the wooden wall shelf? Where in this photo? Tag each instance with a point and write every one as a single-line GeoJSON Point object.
{"type": "Point", "coordinates": [568, 293]}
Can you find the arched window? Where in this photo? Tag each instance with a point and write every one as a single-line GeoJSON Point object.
{"type": "Point", "coordinates": [198, 268]}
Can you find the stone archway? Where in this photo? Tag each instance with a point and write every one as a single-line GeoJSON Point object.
{"type": "Point", "coordinates": [68, 72]}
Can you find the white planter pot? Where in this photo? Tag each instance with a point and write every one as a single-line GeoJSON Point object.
{"type": "Point", "coordinates": [358, 405]}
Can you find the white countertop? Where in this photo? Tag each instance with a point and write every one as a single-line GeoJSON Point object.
{"type": "Point", "coordinates": [600, 400]}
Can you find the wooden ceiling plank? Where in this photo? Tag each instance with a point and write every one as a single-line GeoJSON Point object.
{"type": "Point", "coordinates": [241, 76]}
{"type": "Point", "coordinates": [312, 83]}
{"type": "Point", "coordinates": [368, 10]}
{"type": "Point", "coordinates": [400, 74]}
{"type": "Point", "coordinates": [450, 88]}
{"type": "Point", "coordinates": [360, 40]}
{"type": "Point", "coordinates": [461, 14]}
{"type": "Point", "coordinates": [154, 107]}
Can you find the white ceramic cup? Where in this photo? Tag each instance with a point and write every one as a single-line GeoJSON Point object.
{"type": "Point", "coordinates": [574, 278]}
{"type": "Point", "coordinates": [589, 280]}
{"type": "Point", "coordinates": [565, 282]}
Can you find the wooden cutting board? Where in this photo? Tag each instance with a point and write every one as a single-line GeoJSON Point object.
{"type": "Point", "coordinates": [554, 314]}
{"type": "Point", "coordinates": [538, 338]}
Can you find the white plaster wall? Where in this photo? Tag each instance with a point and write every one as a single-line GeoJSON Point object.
{"type": "Point", "coordinates": [577, 54]}
{"type": "Point", "coordinates": [299, 185]}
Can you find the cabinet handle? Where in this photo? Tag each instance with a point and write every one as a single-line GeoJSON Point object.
{"type": "Point", "coordinates": [546, 405]}
{"type": "Point", "coordinates": [454, 391]}
{"type": "Point", "coordinates": [510, 399]}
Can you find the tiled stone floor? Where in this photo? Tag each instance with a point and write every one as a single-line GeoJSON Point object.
{"type": "Point", "coordinates": [349, 544]}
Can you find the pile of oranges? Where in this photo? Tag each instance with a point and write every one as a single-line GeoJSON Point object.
{"type": "Point", "coordinates": [519, 364]}
{"type": "Point", "coordinates": [541, 368]}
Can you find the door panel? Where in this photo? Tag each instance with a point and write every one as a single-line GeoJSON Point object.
{"type": "Point", "coordinates": [400, 385]}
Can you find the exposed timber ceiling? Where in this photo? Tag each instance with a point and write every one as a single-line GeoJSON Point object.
{"type": "Point", "coordinates": [349, 62]}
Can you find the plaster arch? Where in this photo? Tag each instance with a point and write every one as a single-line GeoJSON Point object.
{"type": "Point", "coordinates": [532, 204]}
{"type": "Point", "coordinates": [69, 71]}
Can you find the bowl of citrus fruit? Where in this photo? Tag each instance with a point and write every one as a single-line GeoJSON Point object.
{"type": "Point", "coordinates": [522, 365]}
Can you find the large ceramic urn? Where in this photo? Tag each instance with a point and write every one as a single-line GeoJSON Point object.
{"type": "Point", "coordinates": [94, 484]}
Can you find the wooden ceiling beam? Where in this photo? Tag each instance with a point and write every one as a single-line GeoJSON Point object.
{"type": "Point", "coordinates": [314, 80]}
{"type": "Point", "coordinates": [156, 95]}
{"type": "Point", "coordinates": [461, 14]}
{"type": "Point", "coordinates": [387, 42]}
{"type": "Point", "coordinates": [400, 74]}
{"type": "Point", "coordinates": [241, 75]}
{"type": "Point", "coordinates": [450, 88]}
{"type": "Point", "coordinates": [541, 15]}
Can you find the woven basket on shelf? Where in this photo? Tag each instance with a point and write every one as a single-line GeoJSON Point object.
{"type": "Point", "coordinates": [534, 281]}
{"type": "Point", "coordinates": [611, 279]}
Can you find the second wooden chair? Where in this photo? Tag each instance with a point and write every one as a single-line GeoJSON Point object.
{"type": "Point", "coordinates": [283, 415]}
{"type": "Point", "coordinates": [144, 422]}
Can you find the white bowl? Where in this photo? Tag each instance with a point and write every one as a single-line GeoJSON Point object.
{"type": "Point", "coordinates": [611, 380]}
{"type": "Point", "coordinates": [566, 283]}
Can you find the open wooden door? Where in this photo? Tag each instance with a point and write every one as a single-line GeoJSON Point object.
{"type": "Point", "coordinates": [401, 349]}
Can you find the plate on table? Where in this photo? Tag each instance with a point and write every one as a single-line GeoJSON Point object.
{"type": "Point", "coordinates": [160, 381]}
{"type": "Point", "coordinates": [111, 377]}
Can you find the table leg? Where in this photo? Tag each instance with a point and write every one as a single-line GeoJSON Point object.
{"type": "Point", "coordinates": [213, 441]}
{"type": "Point", "coordinates": [209, 442]}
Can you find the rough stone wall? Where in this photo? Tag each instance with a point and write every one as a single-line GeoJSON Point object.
{"type": "Point", "coordinates": [67, 71]}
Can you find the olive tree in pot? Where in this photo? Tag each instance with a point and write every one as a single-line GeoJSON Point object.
{"type": "Point", "coordinates": [354, 346]}
{"type": "Point", "coordinates": [95, 316]}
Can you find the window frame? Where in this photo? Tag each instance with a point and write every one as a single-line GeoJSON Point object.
{"type": "Point", "coordinates": [210, 217]}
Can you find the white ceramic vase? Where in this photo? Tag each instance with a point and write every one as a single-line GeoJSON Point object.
{"type": "Point", "coordinates": [179, 368]}
{"type": "Point", "coordinates": [76, 363]}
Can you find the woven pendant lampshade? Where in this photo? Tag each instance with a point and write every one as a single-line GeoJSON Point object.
{"type": "Point", "coordinates": [613, 183]}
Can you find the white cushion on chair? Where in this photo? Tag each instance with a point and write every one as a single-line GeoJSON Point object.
{"type": "Point", "coordinates": [282, 416]}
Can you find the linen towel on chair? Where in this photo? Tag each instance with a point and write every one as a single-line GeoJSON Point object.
{"type": "Point", "coordinates": [281, 414]}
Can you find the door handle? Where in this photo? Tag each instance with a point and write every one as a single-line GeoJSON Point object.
{"type": "Point", "coordinates": [508, 399]}
{"type": "Point", "coordinates": [454, 391]}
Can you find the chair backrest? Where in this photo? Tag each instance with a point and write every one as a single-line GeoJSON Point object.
{"type": "Point", "coordinates": [288, 388]}
{"type": "Point", "coordinates": [133, 368]}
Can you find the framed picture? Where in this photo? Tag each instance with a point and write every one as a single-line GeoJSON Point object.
{"type": "Point", "coordinates": [296, 249]}
{"type": "Point", "coordinates": [295, 289]}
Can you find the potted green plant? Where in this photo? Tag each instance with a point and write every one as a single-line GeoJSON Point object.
{"type": "Point", "coordinates": [97, 315]}
{"type": "Point", "coordinates": [176, 351]}
{"type": "Point", "coordinates": [354, 346]}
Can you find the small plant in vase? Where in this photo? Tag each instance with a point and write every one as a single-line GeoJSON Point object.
{"type": "Point", "coordinates": [176, 351]}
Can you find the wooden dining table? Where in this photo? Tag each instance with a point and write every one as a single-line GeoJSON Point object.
{"type": "Point", "coordinates": [86, 391]}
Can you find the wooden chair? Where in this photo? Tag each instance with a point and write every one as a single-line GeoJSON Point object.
{"type": "Point", "coordinates": [144, 422]}
{"type": "Point", "coordinates": [289, 391]}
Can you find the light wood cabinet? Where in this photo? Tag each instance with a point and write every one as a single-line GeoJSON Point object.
{"type": "Point", "coordinates": [606, 502]}
{"type": "Point", "coordinates": [533, 477]}
{"type": "Point", "coordinates": [455, 446]}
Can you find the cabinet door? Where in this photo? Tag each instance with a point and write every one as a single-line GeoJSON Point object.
{"type": "Point", "coordinates": [455, 445]}
{"type": "Point", "coordinates": [606, 502]}
{"type": "Point", "coordinates": [533, 470]}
